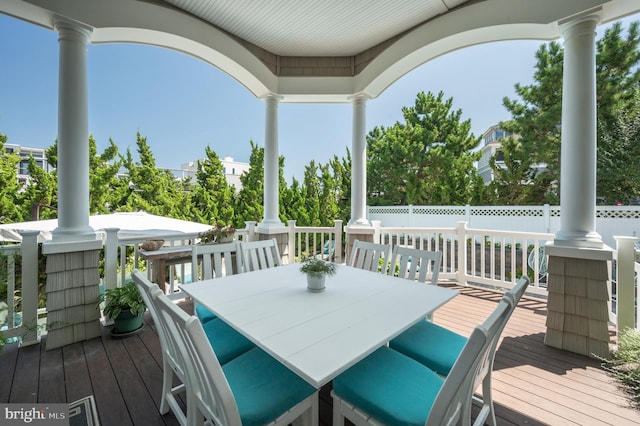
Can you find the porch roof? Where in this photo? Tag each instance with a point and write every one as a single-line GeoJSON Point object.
{"type": "Point", "coordinates": [309, 51]}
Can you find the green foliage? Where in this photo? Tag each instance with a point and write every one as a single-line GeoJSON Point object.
{"type": "Point", "coordinates": [624, 364]}
{"type": "Point", "coordinates": [316, 267]}
{"type": "Point", "coordinates": [250, 199]}
{"type": "Point", "coordinates": [122, 298]}
{"type": "Point", "coordinates": [537, 115]}
{"type": "Point", "coordinates": [212, 195]}
{"type": "Point", "coordinates": [104, 182]}
{"type": "Point", "coordinates": [9, 187]}
{"type": "Point", "coordinates": [428, 159]}
{"type": "Point", "coordinates": [618, 165]}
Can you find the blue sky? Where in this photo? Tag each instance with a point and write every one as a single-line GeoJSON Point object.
{"type": "Point", "coordinates": [182, 104]}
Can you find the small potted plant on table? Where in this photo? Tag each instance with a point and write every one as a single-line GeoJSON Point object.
{"type": "Point", "coordinates": [126, 307]}
{"type": "Point", "coordinates": [317, 270]}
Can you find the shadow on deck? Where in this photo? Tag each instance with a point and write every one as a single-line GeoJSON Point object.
{"type": "Point", "coordinates": [533, 384]}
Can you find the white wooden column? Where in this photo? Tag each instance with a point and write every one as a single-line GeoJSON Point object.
{"type": "Point", "coordinates": [271, 218]}
{"type": "Point", "coordinates": [578, 153]}
{"type": "Point", "coordinates": [359, 164]}
{"type": "Point", "coordinates": [73, 135]}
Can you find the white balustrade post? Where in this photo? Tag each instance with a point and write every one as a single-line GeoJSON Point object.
{"type": "Point", "coordinates": [625, 294]}
{"type": "Point", "coordinates": [578, 153]}
{"type": "Point", "coordinates": [29, 251]}
{"type": "Point", "coordinates": [461, 231]}
{"type": "Point", "coordinates": [359, 163]}
{"type": "Point", "coordinates": [337, 252]}
{"type": "Point", "coordinates": [292, 240]}
{"type": "Point", "coordinates": [111, 258]}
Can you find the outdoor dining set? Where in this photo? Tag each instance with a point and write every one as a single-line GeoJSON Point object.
{"type": "Point", "coordinates": [260, 345]}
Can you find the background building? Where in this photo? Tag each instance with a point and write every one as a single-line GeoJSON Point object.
{"type": "Point", "coordinates": [25, 152]}
{"type": "Point", "coordinates": [231, 169]}
{"type": "Point", "coordinates": [491, 147]}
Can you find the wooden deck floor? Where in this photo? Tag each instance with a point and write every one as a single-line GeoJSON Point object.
{"type": "Point", "coordinates": [533, 384]}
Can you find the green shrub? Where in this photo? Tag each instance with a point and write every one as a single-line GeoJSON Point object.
{"type": "Point", "coordinates": [624, 364]}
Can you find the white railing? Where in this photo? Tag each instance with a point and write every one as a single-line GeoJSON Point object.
{"type": "Point", "coordinates": [623, 292]}
{"type": "Point", "coordinates": [23, 322]}
{"type": "Point", "coordinates": [470, 256]}
{"type": "Point", "coordinates": [117, 250]}
{"type": "Point", "coordinates": [324, 241]}
{"type": "Point", "coordinates": [478, 256]}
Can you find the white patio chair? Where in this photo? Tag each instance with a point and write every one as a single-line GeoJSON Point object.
{"type": "Point", "coordinates": [370, 256]}
{"type": "Point", "coordinates": [438, 348]}
{"type": "Point", "coordinates": [253, 389]}
{"type": "Point", "coordinates": [415, 264]}
{"type": "Point", "coordinates": [261, 254]}
{"type": "Point", "coordinates": [218, 260]}
{"type": "Point", "coordinates": [328, 251]}
{"type": "Point", "coordinates": [228, 343]}
{"type": "Point", "coordinates": [389, 388]}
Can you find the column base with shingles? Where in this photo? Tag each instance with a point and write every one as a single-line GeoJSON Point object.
{"type": "Point", "coordinates": [72, 293]}
{"type": "Point", "coordinates": [578, 310]}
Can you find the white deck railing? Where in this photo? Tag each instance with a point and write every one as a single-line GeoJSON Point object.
{"type": "Point", "coordinates": [478, 256]}
{"type": "Point", "coordinates": [470, 257]}
{"type": "Point", "coordinates": [324, 241]}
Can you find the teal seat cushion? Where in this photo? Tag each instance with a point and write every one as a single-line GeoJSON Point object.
{"type": "Point", "coordinates": [391, 387]}
{"type": "Point", "coordinates": [226, 342]}
{"type": "Point", "coordinates": [204, 315]}
{"type": "Point", "coordinates": [431, 345]}
{"type": "Point", "coordinates": [263, 388]}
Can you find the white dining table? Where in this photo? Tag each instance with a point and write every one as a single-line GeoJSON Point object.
{"type": "Point", "coordinates": [318, 335]}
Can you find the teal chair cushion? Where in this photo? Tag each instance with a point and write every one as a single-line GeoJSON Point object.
{"type": "Point", "coordinates": [391, 387]}
{"type": "Point", "coordinates": [431, 345]}
{"type": "Point", "coordinates": [263, 388]}
{"type": "Point", "coordinates": [226, 342]}
{"type": "Point", "coordinates": [204, 315]}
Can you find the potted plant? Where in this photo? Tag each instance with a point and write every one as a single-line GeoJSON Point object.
{"type": "Point", "coordinates": [317, 270]}
{"type": "Point", "coordinates": [126, 307]}
{"type": "Point", "coordinates": [221, 233]}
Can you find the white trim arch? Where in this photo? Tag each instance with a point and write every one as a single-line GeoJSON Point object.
{"type": "Point", "coordinates": [131, 21]}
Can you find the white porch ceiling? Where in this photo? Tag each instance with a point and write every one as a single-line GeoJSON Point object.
{"type": "Point", "coordinates": [316, 28]}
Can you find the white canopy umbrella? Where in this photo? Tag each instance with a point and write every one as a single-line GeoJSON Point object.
{"type": "Point", "coordinates": [130, 224]}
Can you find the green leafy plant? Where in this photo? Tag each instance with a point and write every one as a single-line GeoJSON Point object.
{"type": "Point", "coordinates": [316, 267]}
{"type": "Point", "coordinates": [122, 298]}
{"type": "Point", "coordinates": [624, 364]}
{"type": "Point", "coordinates": [219, 232]}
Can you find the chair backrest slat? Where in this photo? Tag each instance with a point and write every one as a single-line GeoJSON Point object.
{"type": "Point", "coordinates": [261, 254]}
{"type": "Point", "coordinates": [218, 260]}
{"type": "Point", "coordinates": [415, 264]}
{"type": "Point", "coordinates": [370, 256]}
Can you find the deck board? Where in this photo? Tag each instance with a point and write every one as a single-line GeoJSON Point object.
{"type": "Point", "coordinates": [533, 384]}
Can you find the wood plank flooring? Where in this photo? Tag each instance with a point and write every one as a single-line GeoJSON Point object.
{"type": "Point", "coordinates": [533, 384]}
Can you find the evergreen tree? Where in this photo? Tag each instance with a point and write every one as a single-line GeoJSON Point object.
{"type": "Point", "coordinates": [9, 187]}
{"type": "Point", "coordinates": [342, 177]}
{"type": "Point", "coordinates": [42, 190]}
{"type": "Point", "coordinates": [428, 159]}
{"type": "Point", "coordinates": [151, 189]}
{"type": "Point", "coordinates": [294, 203]}
{"type": "Point", "coordinates": [618, 166]}
{"type": "Point", "coordinates": [249, 201]}
{"type": "Point", "coordinates": [212, 194]}
{"type": "Point", "coordinates": [328, 197]}
{"type": "Point", "coordinates": [311, 194]}
{"type": "Point", "coordinates": [537, 115]}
